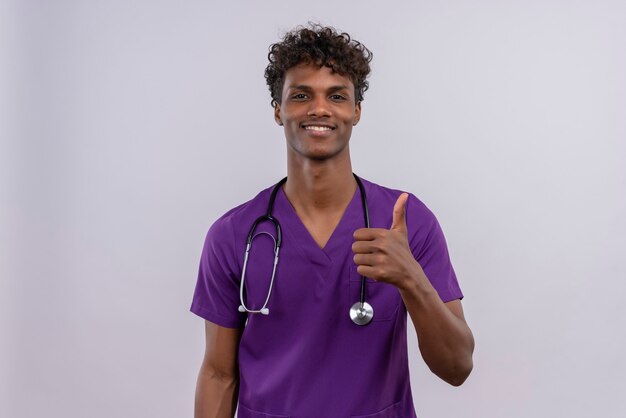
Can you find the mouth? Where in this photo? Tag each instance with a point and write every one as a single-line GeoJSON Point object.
{"type": "Point", "coordinates": [318, 128]}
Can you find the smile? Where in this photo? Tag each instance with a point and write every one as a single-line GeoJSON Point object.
{"type": "Point", "coordinates": [318, 128]}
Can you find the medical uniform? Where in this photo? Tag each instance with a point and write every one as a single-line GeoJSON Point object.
{"type": "Point", "coordinates": [307, 359]}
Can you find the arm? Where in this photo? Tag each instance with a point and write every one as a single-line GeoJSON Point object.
{"type": "Point", "coordinates": [444, 338]}
{"type": "Point", "coordinates": [218, 381]}
{"type": "Point", "coordinates": [445, 341]}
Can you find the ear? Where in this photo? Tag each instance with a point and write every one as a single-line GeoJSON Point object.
{"type": "Point", "coordinates": [357, 113]}
{"type": "Point", "coordinates": [277, 114]}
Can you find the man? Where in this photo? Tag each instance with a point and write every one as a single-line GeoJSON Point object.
{"type": "Point", "coordinates": [295, 347]}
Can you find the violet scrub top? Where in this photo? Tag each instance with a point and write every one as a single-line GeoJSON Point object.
{"type": "Point", "coordinates": [307, 358]}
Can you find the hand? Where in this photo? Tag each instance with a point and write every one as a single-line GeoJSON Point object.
{"type": "Point", "coordinates": [384, 254]}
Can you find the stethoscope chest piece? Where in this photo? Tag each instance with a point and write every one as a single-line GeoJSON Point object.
{"type": "Point", "coordinates": [361, 313]}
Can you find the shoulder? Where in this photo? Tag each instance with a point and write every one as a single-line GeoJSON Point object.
{"type": "Point", "coordinates": [236, 220]}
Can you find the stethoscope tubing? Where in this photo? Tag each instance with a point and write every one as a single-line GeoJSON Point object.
{"type": "Point", "coordinates": [277, 243]}
{"type": "Point", "coordinates": [366, 214]}
{"type": "Point", "coordinates": [361, 312]}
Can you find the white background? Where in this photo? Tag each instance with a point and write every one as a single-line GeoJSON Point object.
{"type": "Point", "coordinates": [129, 126]}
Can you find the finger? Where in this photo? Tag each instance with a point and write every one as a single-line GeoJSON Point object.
{"type": "Point", "coordinates": [364, 247]}
{"type": "Point", "coordinates": [366, 259]}
{"type": "Point", "coordinates": [399, 213]}
{"type": "Point", "coordinates": [368, 234]}
{"type": "Point", "coordinates": [368, 271]}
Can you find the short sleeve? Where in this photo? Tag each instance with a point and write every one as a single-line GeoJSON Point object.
{"type": "Point", "coordinates": [216, 296]}
{"type": "Point", "coordinates": [429, 248]}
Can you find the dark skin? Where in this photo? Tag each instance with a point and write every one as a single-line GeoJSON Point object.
{"type": "Point", "coordinates": [319, 183]}
{"type": "Point", "coordinates": [318, 111]}
{"type": "Point", "coordinates": [217, 387]}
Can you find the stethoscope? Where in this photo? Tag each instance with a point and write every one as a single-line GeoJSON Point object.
{"type": "Point", "coordinates": [361, 313]}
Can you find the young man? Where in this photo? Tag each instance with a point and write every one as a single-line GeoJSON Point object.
{"type": "Point", "coordinates": [304, 334]}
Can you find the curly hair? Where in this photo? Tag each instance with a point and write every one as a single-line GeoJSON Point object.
{"type": "Point", "coordinates": [321, 46]}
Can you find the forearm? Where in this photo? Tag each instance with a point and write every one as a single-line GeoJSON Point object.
{"type": "Point", "coordinates": [216, 394]}
{"type": "Point", "coordinates": [445, 341]}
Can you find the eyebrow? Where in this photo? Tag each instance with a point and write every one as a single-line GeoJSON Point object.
{"type": "Point", "coordinates": [304, 87]}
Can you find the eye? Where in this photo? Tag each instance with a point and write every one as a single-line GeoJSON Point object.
{"type": "Point", "coordinates": [299, 96]}
{"type": "Point", "coordinates": [337, 97]}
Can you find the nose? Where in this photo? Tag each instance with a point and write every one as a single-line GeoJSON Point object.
{"type": "Point", "coordinates": [319, 107]}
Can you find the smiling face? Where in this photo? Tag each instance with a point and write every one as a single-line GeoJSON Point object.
{"type": "Point", "coordinates": [317, 111]}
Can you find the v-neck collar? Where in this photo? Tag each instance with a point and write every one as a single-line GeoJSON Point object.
{"type": "Point", "coordinates": [298, 234]}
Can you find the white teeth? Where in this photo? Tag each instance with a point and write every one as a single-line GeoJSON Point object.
{"type": "Point", "coordinates": [317, 128]}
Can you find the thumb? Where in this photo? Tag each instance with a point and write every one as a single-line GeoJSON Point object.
{"type": "Point", "coordinates": [399, 213]}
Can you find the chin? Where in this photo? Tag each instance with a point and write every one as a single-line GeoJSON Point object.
{"type": "Point", "coordinates": [322, 154]}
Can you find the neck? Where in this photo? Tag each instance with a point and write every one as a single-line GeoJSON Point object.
{"type": "Point", "coordinates": [318, 186]}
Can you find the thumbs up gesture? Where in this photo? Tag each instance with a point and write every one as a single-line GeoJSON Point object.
{"type": "Point", "coordinates": [384, 254]}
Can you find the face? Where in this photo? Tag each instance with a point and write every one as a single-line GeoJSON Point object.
{"type": "Point", "coordinates": [317, 111]}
